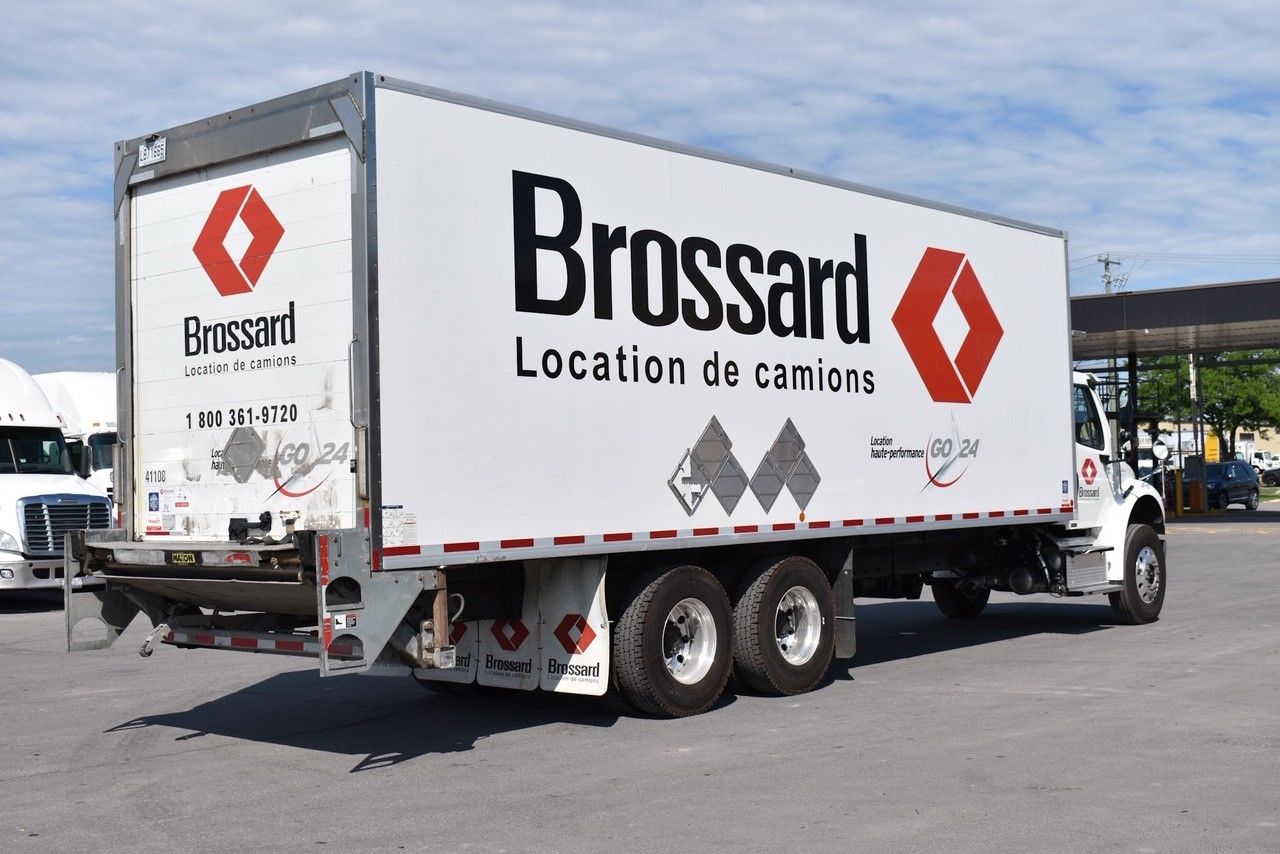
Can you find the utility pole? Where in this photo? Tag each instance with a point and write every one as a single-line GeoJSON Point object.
{"type": "Point", "coordinates": [1107, 263]}
{"type": "Point", "coordinates": [1113, 379]}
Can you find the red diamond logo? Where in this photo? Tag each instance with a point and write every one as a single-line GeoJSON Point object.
{"type": "Point", "coordinates": [574, 624]}
{"type": "Point", "coordinates": [940, 273]}
{"type": "Point", "coordinates": [228, 276]}
{"type": "Point", "coordinates": [1088, 471]}
{"type": "Point", "coordinates": [509, 633]}
{"type": "Point", "coordinates": [456, 632]}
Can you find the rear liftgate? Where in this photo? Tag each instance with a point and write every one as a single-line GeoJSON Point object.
{"type": "Point", "coordinates": [317, 597]}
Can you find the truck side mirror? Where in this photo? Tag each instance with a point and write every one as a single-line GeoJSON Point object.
{"type": "Point", "coordinates": [84, 462]}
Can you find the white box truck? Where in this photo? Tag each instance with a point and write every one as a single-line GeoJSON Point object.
{"type": "Point", "coordinates": [85, 402]}
{"type": "Point", "coordinates": [416, 382]}
{"type": "Point", "coordinates": [41, 498]}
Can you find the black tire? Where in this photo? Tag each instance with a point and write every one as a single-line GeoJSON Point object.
{"type": "Point", "coordinates": [614, 699]}
{"type": "Point", "coordinates": [1252, 501]}
{"type": "Point", "coordinates": [643, 636]}
{"type": "Point", "coordinates": [1144, 578]}
{"type": "Point", "coordinates": [958, 603]}
{"type": "Point", "coordinates": [785, 606]}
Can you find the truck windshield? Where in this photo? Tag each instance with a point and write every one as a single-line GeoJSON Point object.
{"type": "Point", "coordinates": [101, 445]}
{"type": "Point", "coordinates": [33, 450]}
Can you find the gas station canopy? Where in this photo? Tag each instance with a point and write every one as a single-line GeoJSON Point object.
{"type": "Point", "coordinates": [1197, 319]}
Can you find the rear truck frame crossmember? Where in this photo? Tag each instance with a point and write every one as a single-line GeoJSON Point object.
{"type": "Point", "coordinates": [318, 596]}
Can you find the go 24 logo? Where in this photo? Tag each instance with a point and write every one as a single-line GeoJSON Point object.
{"type": "Point", "coordinates": [947, 459]}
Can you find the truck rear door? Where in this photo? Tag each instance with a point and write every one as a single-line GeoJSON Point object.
{"type": "Point", "coordinates": [241, 293]}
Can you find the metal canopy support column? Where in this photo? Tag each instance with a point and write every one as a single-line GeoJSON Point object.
{"type": "Point", "coordinates": [1133, 410]}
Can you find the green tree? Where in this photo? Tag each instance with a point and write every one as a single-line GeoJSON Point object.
{"type": "Point", "coordinates": [1235, 391]}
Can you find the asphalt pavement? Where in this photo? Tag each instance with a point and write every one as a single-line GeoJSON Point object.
{"type": "Point", "coordinates": [1040, 726]}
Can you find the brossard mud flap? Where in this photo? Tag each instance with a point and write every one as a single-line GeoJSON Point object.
{"type": "Point", "coordinates": [560, 644]}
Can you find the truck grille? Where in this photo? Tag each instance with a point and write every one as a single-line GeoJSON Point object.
{"type": "Point", "coordinates": [45, 523]}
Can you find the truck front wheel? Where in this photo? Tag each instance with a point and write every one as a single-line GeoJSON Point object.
{"type": "Point", "coordinates": [959, 602]}
{"type": "Point", "coordinates": [671, 646]}
{"type": "Point", "coordinates": [1142, 595]}
{"type": "Point", "coordinates": [784, 626]}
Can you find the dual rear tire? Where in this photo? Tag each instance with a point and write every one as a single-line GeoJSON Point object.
{"type": "Point", "coordinates": [678, 638]}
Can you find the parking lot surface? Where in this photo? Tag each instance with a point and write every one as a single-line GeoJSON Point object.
{"type": "Point", "coordinates": [1040, 726]}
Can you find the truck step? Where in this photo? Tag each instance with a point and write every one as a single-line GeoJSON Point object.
{"type": "Point", "coordinates": [1079, 544]}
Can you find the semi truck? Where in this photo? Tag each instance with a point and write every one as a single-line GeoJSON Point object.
{"type": "Point", "coordinates": [85, 402]}
{"type": "Point", "coordinates": [41, 497]}
{"type": "Point", "coordinates": [418, 383]}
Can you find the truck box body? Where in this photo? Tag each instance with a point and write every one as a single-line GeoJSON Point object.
{"type": "Point", "coordinates": [489, 334]}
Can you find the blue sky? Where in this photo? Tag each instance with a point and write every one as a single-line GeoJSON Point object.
{"type": "Point", "coordinates": [1147, 130]}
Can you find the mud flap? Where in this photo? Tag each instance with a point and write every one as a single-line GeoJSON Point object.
{"type": "Point", "coordinates": [846, 621]}
{"type": "Point", "coordinates": [574, 626]}
{"type": "Point", "coordinates": [561, 643]}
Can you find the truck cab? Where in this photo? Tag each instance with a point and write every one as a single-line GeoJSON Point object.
{"type": "Point", "coordinates": [1111, 503]}
{"type": "Point", "coordinates": [85, 403]}
{"type": "Point", "coordinates": [41, 496]}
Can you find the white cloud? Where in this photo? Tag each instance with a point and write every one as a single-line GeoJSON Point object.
{"type": "Point", "coordinates": [1146, 128]}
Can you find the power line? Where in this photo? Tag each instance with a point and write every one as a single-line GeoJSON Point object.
{"type": "Point", "coordinates": [1237, 258]}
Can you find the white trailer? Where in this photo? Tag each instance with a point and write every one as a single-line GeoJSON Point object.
{"type": "Point", "coordinates": [415, 381]}
{"type": "Point", "coordinates": [85, 402]}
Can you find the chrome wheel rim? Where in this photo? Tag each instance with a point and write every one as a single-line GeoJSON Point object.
{"type": "Point", "coordinates": [797, 625]}
{"type": "Point", "coordinates": [689, 641]}
{"type": "Point", "coordinates": [1147, 574]}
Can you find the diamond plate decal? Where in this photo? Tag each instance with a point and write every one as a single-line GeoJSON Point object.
{"type": "Point", "coordinates": [731, 485]}
{"type": "Point", "coordinates": [804, 481]}
{"type": "Point", "coordinates": [700, 466]}
{"type": "Point", "coordinates": [777, 466]}
{"type": "Point", "coordinates": [712, 448]}
{"type": "Point", "coordinates": [710, 466]}
{"type": "Point", "coordinates": [767, 483]}
{"type": "Point", "coordinates": [242, 452]}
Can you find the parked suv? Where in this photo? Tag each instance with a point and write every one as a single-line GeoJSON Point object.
{"type": "Point", "coordinates": [1231, 483]}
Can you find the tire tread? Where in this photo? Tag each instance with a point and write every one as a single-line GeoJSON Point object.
{"type": "Point", "coordinates": [748, 661]}
{"type": "Point", "coordinates": [628, 655]}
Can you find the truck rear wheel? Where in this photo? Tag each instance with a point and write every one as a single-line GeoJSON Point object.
{"type": "Point", "coordinates": [1142, 596]}
{"type": "Point", "coordinates": [671, 646]}
{"type": "Point", "coordinates": [957, 602]}
{"type": "Point", "coordinates": [784, 626]}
